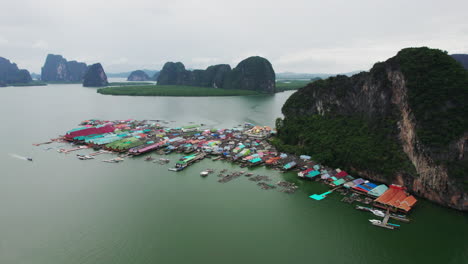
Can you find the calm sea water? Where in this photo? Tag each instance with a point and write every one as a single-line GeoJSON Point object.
{"type": "Point", "coordinates": [59, 209]}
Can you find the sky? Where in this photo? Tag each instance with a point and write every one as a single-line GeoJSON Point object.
{"type": "Point", "coordinates": [304, 36]}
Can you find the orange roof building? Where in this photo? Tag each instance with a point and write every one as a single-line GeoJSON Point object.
{"type": "Point", "coordinates": [397, 197]}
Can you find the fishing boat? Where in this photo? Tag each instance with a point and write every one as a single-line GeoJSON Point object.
{"type": "Point", "coordinates": [377, 212]}
{"type": "Point", "coordinates": [363, 208]}
{"type": "Point", "coordinates": [84, 157]}
{"type": "Point", "coordinates": [177, 168]}
{"type": "Point", "coordinates": [384, 225]}
{"type": "Point", "coordinates": [114, 160]}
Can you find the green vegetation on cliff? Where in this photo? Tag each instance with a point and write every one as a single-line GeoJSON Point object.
{"type": "Point", "coordinates": [405, 119]}
{"type": "Point", "coordinates": [437, 93]}
{"type": "Point", "coordinates": [345, 142]}
{"type": "Point", "coordinates": [172, 90]}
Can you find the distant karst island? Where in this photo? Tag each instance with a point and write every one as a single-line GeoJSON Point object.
{"type": "Point", "coordinates": [57, 69]}
{"type": "Point", "coordinates": [95, 76]}
{"type": "Point", "coordinates": [138, 76]}
{"type": "Point", "coordinates": [254, 75]}
{"type": "Point", "coordinates": [10, 74]}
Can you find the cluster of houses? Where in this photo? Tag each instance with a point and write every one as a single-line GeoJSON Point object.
{"type": "Point", "coordinates": [247, 145]}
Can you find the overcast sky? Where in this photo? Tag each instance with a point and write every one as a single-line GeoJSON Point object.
{"type": "Point", "coordinates": [295, 35]}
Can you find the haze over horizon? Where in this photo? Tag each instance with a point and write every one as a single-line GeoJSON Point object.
{"type": "Point", "coordinates": [295, 36]}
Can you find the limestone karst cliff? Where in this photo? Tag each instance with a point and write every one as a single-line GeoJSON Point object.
{"type": "Point", "coordinates": [138, 76]}
{"type": "Point", "coordinates": [253, 73]}
{"type": "Point", "coordinates": [402, 122]}
{"type": "Point", "coordinates": [58, 69]}
{"type": "Point", "coordinates": [95, 76]}
{"type": "Point", "coordinates": [10, 74]}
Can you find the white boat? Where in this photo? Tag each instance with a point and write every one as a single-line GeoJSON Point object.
{"type": "Point", "coordinates": [204, 173]}
{"type": "Point", "coordinates": [377, 212]}
{"type": "Point", "coordinates": [375, 221]}
{"type": "Point", "coordinates": [84, 157]}
{"type": "Point", "coordinates": [115, 160]}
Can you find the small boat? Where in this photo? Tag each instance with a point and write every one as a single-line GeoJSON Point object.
{"type": "Point", "coordinates": [115, 160]}
{"type": "Point", "coordinates": [204, 173]}
{"type": "Point", "coordinates": [29, 158]}
{"type": "Point", "coordinates": [381, 224]}
{"type": "Point", "coordinates": [84, 157]}
{"type": "Point", "coordinates": [363, 208]}
{"type": "Point", "coordinates": [377, 212]}
{"type": "Point", "coordinates": [149, 158]}
{"type": "Point", "coordinates": [164, 160]}
{"type": "Point", "coordinates": [177, 168]}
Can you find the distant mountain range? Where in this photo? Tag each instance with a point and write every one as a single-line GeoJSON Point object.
{"type": "Point", "coordinates": [293, 75]}
{"type": "Point", "coordinates": [126, 74]}
{"type": "Point", "coordinates": [281, 75]}
{"type": "Point", "coordinates": [462, 58]}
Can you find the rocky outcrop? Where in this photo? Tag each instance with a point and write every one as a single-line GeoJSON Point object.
{"type": "Point", "coordinates": [421, 94]}
{"type": "Point", "coordinates": [173, 73]}
{"type": "Point", "coordinates": [138, 76]}
{"type": "Point", "coordinates": [95, 76]}
{"type": "Point", "coordinates": [58, 69]}
{"type": "Point", "coordinates": [10, 74]}
{"type": "Point", "coordinates": [254, 73]}
{"type": "Point", "coordinates": [462, 58]}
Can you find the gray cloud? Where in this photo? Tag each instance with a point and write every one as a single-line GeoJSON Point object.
{"type": "Point", "coordinates": [301, 36]}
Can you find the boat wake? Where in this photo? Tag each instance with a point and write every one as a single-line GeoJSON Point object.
{"type": "Point", "coordinates": [17, 156]}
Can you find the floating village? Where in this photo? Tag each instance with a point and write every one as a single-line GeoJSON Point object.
{"type": "Point", "coordinates": [248, 146]}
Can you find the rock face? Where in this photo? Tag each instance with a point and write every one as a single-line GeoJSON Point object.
{"type": "Point", "coordinates": [58, 69]}
{"type": "Point", "coordinates": [462, 58]}
{"type": "Point", "coordinates": [10, 74]}
{"type": "Point", "coordinates": [420, 96]}
{"type": "Point", "coordinates": [138, 76]}
{"type": "Point", "coordinates": [254, 73]}
{"type": "Point", "coordinates": [95, 76]}
{"type": "Point", "coordinates": [173, 73]}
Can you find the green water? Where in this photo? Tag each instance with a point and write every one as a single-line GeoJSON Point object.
{"type": "Point", "coordinates": [59, 209]}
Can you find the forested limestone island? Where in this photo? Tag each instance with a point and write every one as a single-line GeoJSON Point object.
{"type": "Point", "coordinates": [95, 76]}
{"type": "Point", "coordinates": [11, 75]}
{"type": "Point", "coordinates": [254, 73]}
{"type": "Point", "coordinates": [462, 58]}
{"type": "Point", "coordinates": [138, 76]}
{"type": "Point", "coordinates": [403, 122]}
{"type": "Point", "coordinates": [58, 69]}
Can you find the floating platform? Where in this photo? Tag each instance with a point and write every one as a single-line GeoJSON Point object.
{"type": "Point", "coordinates": [319, 197]}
